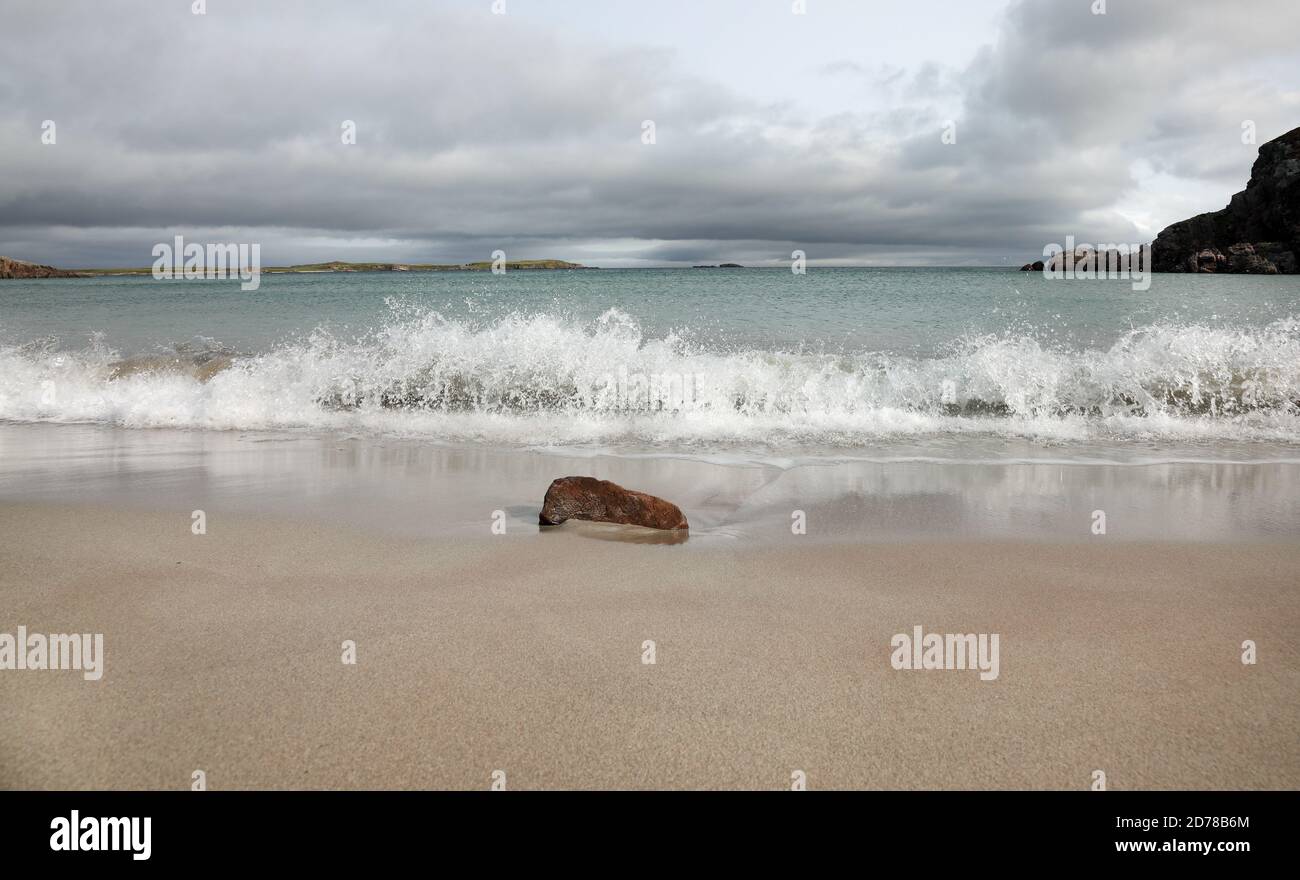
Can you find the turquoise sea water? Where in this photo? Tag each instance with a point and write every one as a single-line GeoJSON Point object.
{"type": "Point", "coordinates": [840, 360]}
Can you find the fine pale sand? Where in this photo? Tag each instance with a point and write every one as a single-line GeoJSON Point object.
{"type": "Point", "coordinates": [523, 653]}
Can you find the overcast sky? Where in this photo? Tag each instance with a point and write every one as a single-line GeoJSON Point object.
{"type": "Point", "coordinates": [523, 131]}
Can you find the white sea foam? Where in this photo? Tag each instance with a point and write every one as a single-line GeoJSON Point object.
{"type": "Point", "coordinates": [544, 380]}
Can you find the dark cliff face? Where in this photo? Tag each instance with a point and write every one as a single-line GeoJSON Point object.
{"type": "Point", "coordinates": [1259, 231]}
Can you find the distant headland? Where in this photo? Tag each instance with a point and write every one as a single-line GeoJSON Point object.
{"type": "Point", "coordinates": [10, 268]}
{"type": "Point", "coordinates": [1257, 234]}
{"type": "Point", "coordinates": [23, 269]}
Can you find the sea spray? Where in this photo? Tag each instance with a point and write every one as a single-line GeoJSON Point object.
{"type": "Point", "coordinates": [546, 379]}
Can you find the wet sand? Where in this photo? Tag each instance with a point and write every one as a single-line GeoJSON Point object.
{"type": "Point", "coordinates": [888, 494]}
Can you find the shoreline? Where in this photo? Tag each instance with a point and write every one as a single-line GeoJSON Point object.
{"type": "Point", "coordinates": [414, 488]}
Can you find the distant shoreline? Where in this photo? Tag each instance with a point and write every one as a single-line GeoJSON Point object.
{"type": "Point", "coordinates": [341, 266]}
{"type": "Point", "coordinates": [24, 270]}
{"type": "Point", "coordinates": [520, 266]}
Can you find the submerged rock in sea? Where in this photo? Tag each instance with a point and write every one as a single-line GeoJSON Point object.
{"type": "Point", "coordinates": [602, 501]}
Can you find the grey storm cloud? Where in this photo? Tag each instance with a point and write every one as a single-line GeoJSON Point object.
{"type": "Point", "coordinates": [477, 131]}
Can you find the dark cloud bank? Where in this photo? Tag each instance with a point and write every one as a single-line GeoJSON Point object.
{"type": "Point", "coordinates": [477, 132]}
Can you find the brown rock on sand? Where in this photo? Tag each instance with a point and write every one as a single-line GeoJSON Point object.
{"type": "Point", "coordinates": [602, 501]}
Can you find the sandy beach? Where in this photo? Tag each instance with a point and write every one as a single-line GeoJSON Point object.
{"type": "Point", "coordinates": [900, 400]}
{"type": "Point", "coordinates": [524, 653]}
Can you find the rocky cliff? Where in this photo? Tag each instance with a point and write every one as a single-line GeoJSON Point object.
{"type": "Point", "coordinates": [23, 269]}
{"type": "Point", "coordinates": [1259, 231]}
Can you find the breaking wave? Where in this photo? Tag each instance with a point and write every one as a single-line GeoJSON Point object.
{"type": "Point", "coordinates": [545, 380]}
